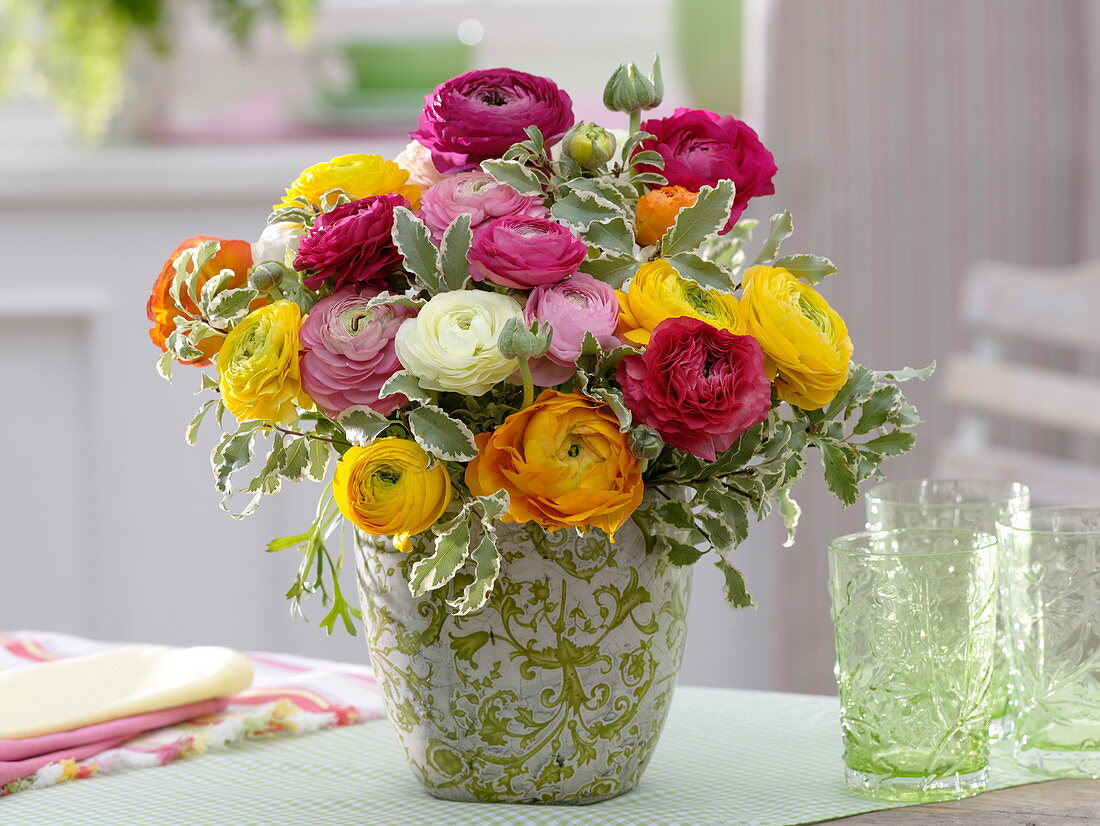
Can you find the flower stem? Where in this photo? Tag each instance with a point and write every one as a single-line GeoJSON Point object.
{"type": "Point", "coordinates": [528, 382]}
{"type": "Point", "coordinates": [635, 121]}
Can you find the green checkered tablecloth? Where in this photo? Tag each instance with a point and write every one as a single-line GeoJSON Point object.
{"type": "Point", "coordinates": [726, 757]}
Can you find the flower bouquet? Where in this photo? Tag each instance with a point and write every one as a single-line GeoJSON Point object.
{"type": "Point", "coordinates": [551, 378]}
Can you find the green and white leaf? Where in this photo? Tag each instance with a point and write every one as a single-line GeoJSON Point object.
{"type": "Point", "coordinates": [319, 455]}
{"type": "Point", "coordinates": [612, 269]}
{"type": "Point", "coordinates": [681, 553]}
{"type": "Point", "coordinates": [362, 425]}
{"type": "Point", "coordinates": [523, 179]}
{"type": "Point", "coordinates": [734, 587]}
{"type": "Point", "coordinates": [414, 243]}
{"type": "Point", "coordinates": [452, 253]}
{"type": "Point", "coordinates": [906, 373]}
{"type": "Point", "coordinates": [810, 268]}
{"type": "Point", "coordinates": [618, 404]}
{"type": "Point", "coordinates": [192, 432]}
{"type": "Point", "coordinates": [227, 308]}
{"type": "Point", "coordinates": [614, 236]}
{"type": "Point", "coordinates": [893, 443]}
{"type": "Point", "coordinates": [388, 299]}
{"type": "Point", "coordinates": [492, 506]}
{"type": "Point", "coordinates": [406, 384]}
{"type": "Point", "coordinates": [700, 222]}
{"type": "Point", "coordinates": [164, 365]}
{"type": "Point", "coordinates": [840, 462]}
{"type": "Point", "coordinates": [486, 559]}
{"type": "Point", "coordinates": [782, 225]}
{"type": "Point", "coordinates": [451, 550]}
{"type": "Point", "coordinates": [296, 458]}
{"type": "Point", "coordinates": [706, 274]}
{"type": "Point", "coordinates": [441, 435]}
{"type": "Point", "coordinates": [581, 208]}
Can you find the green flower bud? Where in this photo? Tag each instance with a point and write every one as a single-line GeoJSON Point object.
{"type": "Point", "coordinates": [645, 442]}
{"type": "Point", "coordinates": [517, 341]}
{"type": "Point", "coordinates": [266, 276]}
{"type": "Point", "coordinates": [629, 90]}
{"type": "Point", "coordinates": [590, 145]}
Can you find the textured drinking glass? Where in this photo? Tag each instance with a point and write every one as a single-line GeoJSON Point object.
{"type": "Point", "coordinates": [1053, 596]}
{"type": "Point", "coordinates": [973, 504]}
{"type": "Point", "coordinates": [915, 618]}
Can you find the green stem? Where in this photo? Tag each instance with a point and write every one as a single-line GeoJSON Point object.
{"type": "Point", "coordinates": [528, 382]}
{"type": "Point", "coordinates": [635, 121]}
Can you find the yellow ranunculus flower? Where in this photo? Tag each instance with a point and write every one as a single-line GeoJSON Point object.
{"type": "Point", "coordinates": [258, 372]}
{"type": "Point", "coordinates": [388, 489]}
{"type": "Point", "coordinates": [360, 176]}
{"type": "Point", "coordinates": [803, 338]}
{"type": "Point", "coordinates": [657, 292]}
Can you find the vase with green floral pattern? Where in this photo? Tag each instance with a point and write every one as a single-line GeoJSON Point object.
{"type": "Point", "coordinates": [555, 691]}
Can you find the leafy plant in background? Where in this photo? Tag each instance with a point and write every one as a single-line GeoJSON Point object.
{"type": "Point", "coordinates": [76, 52]}
{"type": "Point", "coordinates": [530, 320]}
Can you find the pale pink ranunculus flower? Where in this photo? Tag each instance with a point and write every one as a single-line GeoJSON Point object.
{"type": "Point", "coordinates": [578, 305]}
{"type": "Point", "coordinates": [416, 159]}
{"type": "Point", "coordinates": [477, 194]}
{"type": "Point", "coordinates": [348, 352]}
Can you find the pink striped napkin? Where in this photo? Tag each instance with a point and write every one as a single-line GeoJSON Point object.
{"type": "Point", "coordinates": [289, 695]}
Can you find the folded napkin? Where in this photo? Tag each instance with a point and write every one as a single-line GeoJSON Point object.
{"type": "Point", "coordinates": [22, 758]}
{"type": "Point", "coordinates": [74, 693]}
{"type": "Point", "coordinates": [288, 695]}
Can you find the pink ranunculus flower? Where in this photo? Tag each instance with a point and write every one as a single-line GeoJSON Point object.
{"type": "Point", "coordinates": [352, 244]}
{"type": "Point", "coordinates": [580, 304]}
{"type": "Point", "coordinates": [477, 194]}
{"type": "Point", "coordinates": [348, 351]}
{"type": "Point", "coordinates": [698, 386]}
{"type": "Point", "coordinates": [479, 114]}
{"type": "Point", "coordinates": [522, 253]}
{"type": "Point", "coordinates": [701, 148]}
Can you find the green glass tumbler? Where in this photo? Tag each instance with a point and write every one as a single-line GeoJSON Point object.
{"type": "Point", "coordinates": [1053, 598]}
{"type": "Point", "coordinates": [974, 504]}
{"type": "Point", "coordinates": [915, 617]}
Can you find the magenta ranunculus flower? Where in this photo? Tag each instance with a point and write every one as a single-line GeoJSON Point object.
{"type": "Point", "coordinates": [348, 352]}
{"type": "Point", "coordinates": [523, 252]}
{"type": "Point", "coordinates": [477, 194]}
{"type": "Point", "coordinates": [701, 148]}
{"type": "Point", "coordinates": [352, 244]}
{"type": "Point", "coordinates": [478, 115]}
{"type": "Point", "coordinates": [580, 304]}
{"type": "Point", "coordinates": [696, 385]}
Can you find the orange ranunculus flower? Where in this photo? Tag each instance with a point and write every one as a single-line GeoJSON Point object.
{"type": "Point", "coordinates": [162, 310]}
{"type": "Point", "coordinates": [657, 211]}
{"type": "Point", "coordinates": [564, 463]}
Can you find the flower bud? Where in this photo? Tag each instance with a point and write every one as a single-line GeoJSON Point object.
{"type": "Point", "coordinates": [266, 276]}
{"type": "Point", "coordinates": [517, 341]}
{"type": "Point", "coordinates": [589, 145]}
{"type": "Point", "coordinates": [645, 442]}
{"type": "Point", "coordinates": [629, 90]}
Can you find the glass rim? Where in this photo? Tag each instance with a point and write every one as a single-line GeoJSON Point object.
{"type": "Point", "coordinates": [1050, 510]}
{"type": "Point", "coordinates": [881, 492]}
{"type": "Point", "coordinates": [989, 541]}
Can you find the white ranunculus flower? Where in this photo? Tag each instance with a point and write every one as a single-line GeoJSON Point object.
{"type": "Point", "coordinates": [452, 342]}
{"type": "Point", "coordinates": [416, 159]}
{"type": "Point", "coordinates": [278, 242]}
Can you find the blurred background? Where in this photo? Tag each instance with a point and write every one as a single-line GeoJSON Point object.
{"type": "Point", "coordinates": [933, 150]}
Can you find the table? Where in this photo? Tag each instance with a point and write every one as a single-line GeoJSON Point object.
{"type": "Point", "coordinates": [726, 758]}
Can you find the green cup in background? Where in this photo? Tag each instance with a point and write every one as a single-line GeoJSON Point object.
{"type": "Point", "coordinates": [915, 618]}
